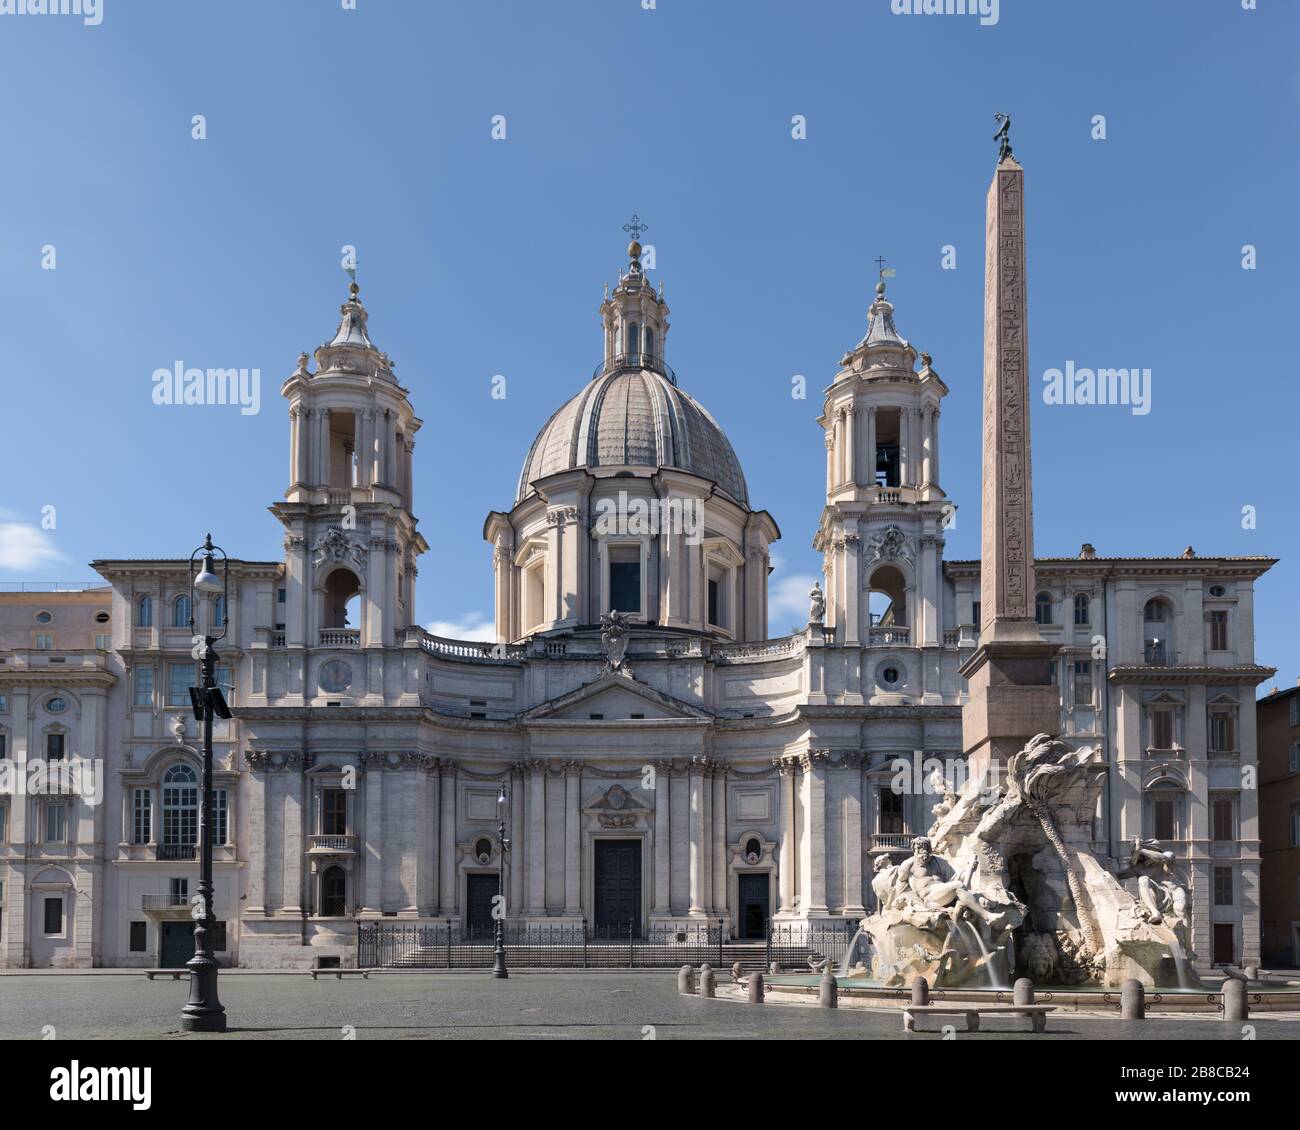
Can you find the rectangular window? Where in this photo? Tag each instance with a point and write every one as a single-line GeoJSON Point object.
{"type": "Point", "coordinates": [625, 580]}
{"type": "Point", "coordinates": [713, 601]}
{"type": "Point", "coordinates": [179, 889]}
{"type": "Point", "coordinates": [1083, 682]}
{"type": "Point", "coordinates": [220, 822]}
{"type": "Point", "coordinates": [180, 679]}
{"type": "Point", "coordinates": [103, 643]}
{"type": "Point", "coordinates": [1081, 609]}
{"type": "Point", "coordinates": [4, 705]}
{"type": "Point", "coordinates": [4, 826]}
{"type": "Point", "coordinates": [1218, 631]}
{"type": "Point", "coordinates": [56, 823]}
{"type": "Point", "coordinates": [143, 686]}
{"type": "Point", "coordinates": [4, 741]}
{"type": "Point", "coordinates": [1162, 813]}
{"type": "Point", "coordinates": [1223, 818]}
{"type": "Point", "coordinates": [891, 812]}
{"type": "Point", "coordinates": [1295, 826]}
{"type": "Point", "coordinates": [975, 613]}
{"type": "Point", "coordinates": [44, 642]}
{"type": "Point", "coordinates": [1294, 766]}
{"type": "Point", "coordinates": [54, 747]}
{"type": "Point", "coordinates": [1223, 886]}
{"type": "Point", "coordinates": [226, 681]}
{"type": "Point", "coordinates": [1295, 708]}
{"type": "Point", "coordinates": [141, 817]}
{"type": "Point", "coordinates": [334, 812]}
{"type": "Point", "coordinates": [1222, 733]}
{"type": "Point", "coordinates": [54, 915]}
{"type": "Point", "coordinates": [279, 596]}
{"type": "Point", "coordinates": [1162, 729]}
{"type": "Point", "coordinates": [139, 936]}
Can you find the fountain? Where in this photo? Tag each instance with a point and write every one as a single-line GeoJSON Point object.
{"type": "Point", "coordinates": [961, 912]}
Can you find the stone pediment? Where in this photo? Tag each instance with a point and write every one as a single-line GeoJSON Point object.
{"type": "Point", "coordinates": [617, 697]}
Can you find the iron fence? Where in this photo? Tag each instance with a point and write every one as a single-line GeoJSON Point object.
{"type": "Point", "coordinates": [800, 945]}
{"type": "Point", "coordinates": [569, 945]}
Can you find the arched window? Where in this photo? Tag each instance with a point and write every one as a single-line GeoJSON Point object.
{"type": "Point", "coordinates": [180, 809]}
{"type": "Point", "coordinates": [144, 612]}
{"type": "Point", "coordinates": [333, 893]}
{"type": "Point", "coordinates": [1082, 609]}
{"type": "Point", "coordinates": [1157, 644]}
{"type": "Point", "coordinates": [650, 341]}
{"type": "Point", "coordinates": [753, 850]}
{"type": "Point", "coordinates": [181, 612]}
{"type": "Point", "coordinates": [633, 338]}
{"type": "Point", "coordinates": [1043, 608]}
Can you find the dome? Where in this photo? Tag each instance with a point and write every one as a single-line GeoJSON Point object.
{"type": "Point", "coordinates": [634, 418]}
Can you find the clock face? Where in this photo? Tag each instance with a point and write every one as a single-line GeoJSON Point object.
{"type": "Point", "coordinates": [335, 676]}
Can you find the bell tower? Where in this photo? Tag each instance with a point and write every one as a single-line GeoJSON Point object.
{"type": "Point", "coordinates": [634, 317]}
{"type": "Point", "coordinates": [351, 537]}
{"type": "Point", "coordinates": [881, 531]}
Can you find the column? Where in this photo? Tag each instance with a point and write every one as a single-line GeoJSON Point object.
{"type": "Point", "coordinates": [663, 838]}
{"type": "Point", "coordinates": [413, 834]}
{"type": "Point", "coordinates": [927, 446]}
{"type": "Point", "coordinates": [293, 834]}
{"type": "Point", "coordinates": [256, 784]}
{"type": "Point", "coordinates": [374, 856]}
{"type": "Point", "coordinates": [850, 445]}
{"type": "Point", "coordinates": [852, 588]}
{"type": "Point", "coordinates": [934, 446]}
{"type": "Point", "coordinates": [515, 874]}
{"type": "Point", "coordinates": [812, 852]}
{"type": "Point", "coordinates": [572, 839]}
{"type": "Point", "coordinates": [851, 822]}
{"type": "Point", "coordinates": [695, 839]}
{"type": "Point", "coordinates": [431, 884]}
{"type": "Point", "coordinates": [785, 848]}
{"type": "Point", "coordinates": [870, 470]}
{"type": "Point", "coordinates": [535, 835]}
{"type": "Point", "coordinates": [448, 894]}
{"type": "Point", "coordinates": [719, 825]}
{"type": "Point", "coordinates": [322, 447]}
{"type": "Point", "coordinates": [830, 461]}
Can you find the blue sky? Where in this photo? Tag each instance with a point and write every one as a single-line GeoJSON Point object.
{"type": "Point", "coordinates": [478, 257]}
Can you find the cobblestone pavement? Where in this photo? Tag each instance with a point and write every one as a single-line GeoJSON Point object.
{"type": "Point", "coordinates": [572, 1006]}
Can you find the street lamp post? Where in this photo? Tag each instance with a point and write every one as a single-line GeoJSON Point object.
{"type": "Point", "coordinates": [203, 1011]}
{"type": "Point", "coordinates": [499, 969]}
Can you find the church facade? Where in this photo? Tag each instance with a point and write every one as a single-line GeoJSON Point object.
{"type": "Point", "coordinates": [670, 764]}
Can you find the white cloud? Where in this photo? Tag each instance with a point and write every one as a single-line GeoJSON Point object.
{"type": "Point", "coordinates": [24, 547]}
{"type": "Point", "coordinates": [787, 599]}
{"type": "Point", "coordinates": [471, 626]}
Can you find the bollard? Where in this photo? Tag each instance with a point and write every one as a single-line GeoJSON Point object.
{"type": "Point", "coordinates": [1023, 991]}
{"type": "Point", "coordinates": [737, 974]}
{"type": "Point", "coordinates": [828, 989]}
{"type": "Point", "coordinates": [920, 991]}
{"type": "Point", "coordinates": [1132, 1000]}
{"type": "Point", "coordinates": [707, 982]}
{"type": "Point", "coordinates": [685, 981]}
{"type": "Point", "coordinates": [774, 968]}
{"type": "Point", "coordinates": [756, 988]}
{"type": "Point", "coordinates": [1234, 1001]}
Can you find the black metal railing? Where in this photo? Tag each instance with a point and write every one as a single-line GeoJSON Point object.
{"type": "Point", "coordinates": [798, 945]}
{"type": "Point", "coordinates": [1159, 655]}
{"type": "Point", "coordinates": [177, 851]}
{"type": "Point", "coordinates": [568, 945]}
{"type": "Point", "coordinates": [622, 361]}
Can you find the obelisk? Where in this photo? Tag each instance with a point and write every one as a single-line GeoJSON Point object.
{"type": "Point", "coordinates": [1010, 693]}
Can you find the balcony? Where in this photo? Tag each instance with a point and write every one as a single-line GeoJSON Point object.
{"type": "Point", "coordinates": [891, 841]}
{"type": "Point", "coordinates": [1159, 655]}
{"type": "Point", "coordinates": [332, 844]}
{"type": "Point", "coordinates": [177, 852]}
{"type": "Point", "coordinates": [340, 637]}
{"type": "Point", "coordinates": [159, 903]}
{"type": "Point", "coordinates": [894, 636]}
{"type": "Point", "coordinates": [635, 361]}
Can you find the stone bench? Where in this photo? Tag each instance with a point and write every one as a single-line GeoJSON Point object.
{"type": "Point", "coordinates": [339, 974]}
{"type": "Point", "coordinates": [1037, 1013]}
{"type": "Point", "coordinates": [174, 974]}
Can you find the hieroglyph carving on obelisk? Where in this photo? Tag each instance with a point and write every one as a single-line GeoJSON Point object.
{"type": "Point", "coordinates": [1007, 540]}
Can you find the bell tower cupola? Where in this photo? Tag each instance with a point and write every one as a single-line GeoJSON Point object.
{"type": "Point", "coordinates": [634, 317]}
{"type": "Point", "coordinates": [351, 537]}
